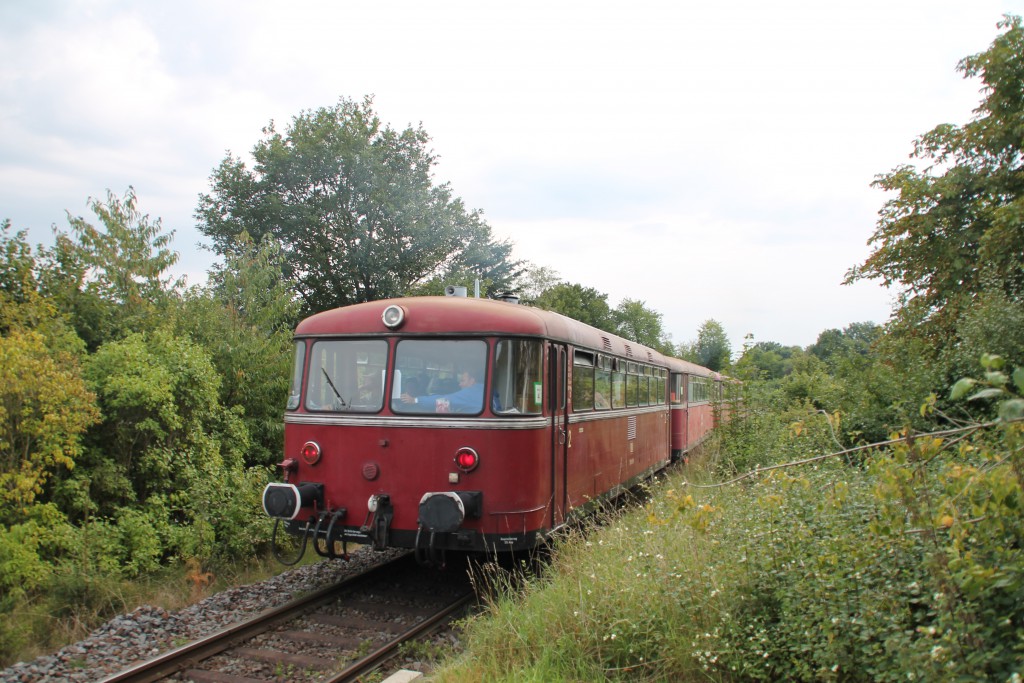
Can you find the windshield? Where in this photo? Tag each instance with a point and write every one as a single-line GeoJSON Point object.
{"type": "Point", "coordinates": [439, 376]}
{"type": "Point", "coordinates": [347, 375]}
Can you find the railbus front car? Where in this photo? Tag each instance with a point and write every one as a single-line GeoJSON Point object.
{"type": "Point", "coordinates": [448, 423]}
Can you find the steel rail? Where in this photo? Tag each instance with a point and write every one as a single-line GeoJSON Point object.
{"type": "Point", "coordinates": [178, 659]}
{"type": "Point", "coordinates": [388, 650]}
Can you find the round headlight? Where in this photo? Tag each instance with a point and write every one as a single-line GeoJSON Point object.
{"type": "Point", "coordinates": [393, 316]}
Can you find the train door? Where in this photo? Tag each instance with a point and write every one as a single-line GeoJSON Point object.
{"type": "Point", "coordinates": [557, 380]}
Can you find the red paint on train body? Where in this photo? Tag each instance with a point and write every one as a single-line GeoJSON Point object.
{"type": "Point", "coordinates": [441, 423]}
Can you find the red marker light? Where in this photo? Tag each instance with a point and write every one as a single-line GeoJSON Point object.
{"type": "Point", "coordinates": [311, 452]}
{"type": "Point", "coordinates": [466, 459]}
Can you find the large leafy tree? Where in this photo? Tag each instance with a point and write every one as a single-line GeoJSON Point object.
{"type": "Point", "coordinates": [244, 317]}
{"type": "Point", "coordinates": [856, 339]}
{"type": "Point", "coordinates": [712, 348]}
{"type": "Point", "coordinates": [643, 325]}
{"type": "Point", "coordinates": [112, 279]}
{"type": "Point", "coordinates": [44, 409]}
{"type": "Point", "coordinates": [536, 280]}
{"type": "Point", "coordinates": [353, 206]}
{"type": "Point", "coordinates": [585, 304]}
{"type": "Point", "coordinates": [766, 360]}
{"type": "Point", "coordinates": [955, 228]}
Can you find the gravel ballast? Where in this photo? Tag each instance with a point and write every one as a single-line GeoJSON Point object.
{"type": "Point", "coordinates": [149, 631]}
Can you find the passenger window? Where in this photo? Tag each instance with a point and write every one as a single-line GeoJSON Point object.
{"type": "Point", "coordinates": [618, 389]}
{"type": "Point", "coordinates": [583, 381]}
{"type": "Point", "coordinates": [518, 377]}
{"type": "Point", "coordinates": [643, 391]}
{"type": "Point", "coordinates": [602, 389]}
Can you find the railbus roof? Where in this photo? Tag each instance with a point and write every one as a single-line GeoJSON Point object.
{"type": "Point", "coordinates": [451, 315]}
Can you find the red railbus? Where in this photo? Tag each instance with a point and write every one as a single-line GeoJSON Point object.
{"type": "Point", "coordinates": [450, 423]}
{"type": "Point", "coordinates": [694, 399]}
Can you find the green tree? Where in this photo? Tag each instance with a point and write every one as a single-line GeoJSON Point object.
{"type": "Point", "coordinates": [45, 409]}
{"type": "Point", "coordinates": [766, 360]}
{"type": "Point", "coordinates": [535, 281]}
{"type": "Point", "coordinates": [244, 317]}
{"type": "Point", "coordinates": [353, 206]}
{"type": "Point", "coordinates": [856, 339]}
{"type": "Point", "coordinates": [633, 320]}
{"type": "Point", "coordinates": [712, 348]}
{"type": "Point", "coordinates": [159, 396]}
{"type": "Point", "coordinates": [111, 280]}
{"type": "Point", "coordinates": [585, 304]}
{"type": "Point", "coordinates": [956, 228]}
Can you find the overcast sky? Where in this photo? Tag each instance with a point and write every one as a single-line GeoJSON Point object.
{"type": "Point", "coordinates": [711, 159]}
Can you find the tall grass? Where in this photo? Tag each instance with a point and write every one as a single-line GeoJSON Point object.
{"type": "Point", "coordinates": [623, 599]}
{"type": "Point", "coordinates": [831, 571]}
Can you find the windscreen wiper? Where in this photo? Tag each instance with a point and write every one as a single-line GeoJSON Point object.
{"type": "Point", "coordinates": [333, 388]}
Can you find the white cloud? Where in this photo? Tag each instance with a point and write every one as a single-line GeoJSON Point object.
{"type": "Point", "coordinates": [713, 160]}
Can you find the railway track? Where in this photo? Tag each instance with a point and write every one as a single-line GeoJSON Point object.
{"type": "Point", "coordinates": [333, 635]}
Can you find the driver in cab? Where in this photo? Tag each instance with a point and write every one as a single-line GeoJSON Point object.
{"type": "Point", "coordinates": [467, 399]}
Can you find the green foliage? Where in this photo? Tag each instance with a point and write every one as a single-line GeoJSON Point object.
{"type": "Point", "coordinates": [535, 281]}
{"type": "Point", "coordinates": [353, 206]}
{"type": "Point", "coordinates": [22, 569]}
{"type": "Point", "coordinates": [17, 279]}
{"type": "Point", "coordinates": [634, 321]}
{"type": "Point", "coordinates": [112, 280]}
{"type": "Point", "coordinates": [159, 398]}
{"type": "Point", "coordinates": [227, 521]}
{"type": "Point", "coordinates": [125, 453]}
{"type": "Point", "coordinates": [903, 564]}
{"type": "Point", "coordinates": [585, 304]}
{"type": "Point", "coordinates": [998, 385]}
{"type": "Point", "coordinates": [994, 324]}
{"type": "Point", "coordinates": [44, 410]}
{"type": "Point", "coordinates": [834, 346]}
{"type": "Point", "coordinates": [712, 348]}
{"type": "Point", "coordinates": [765, 360]}
{"type": "Point", "coordinates": [244, 318]}
{"type": "Point", "coordinates": [944, 238]}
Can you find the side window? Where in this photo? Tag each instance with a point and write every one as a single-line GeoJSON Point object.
{"type": "Point", "coordinates": [632, 384]}
{"type": "Point", "coordinates": [618, 384]}
{"type": "Point", "coordinates": [518, 377]}
{"type": "Point", "coordinates": [582, 380]}
{"type": "Point", "coordinates": [698, 390]}
{"type": "Point", "coordinates": [677, 388]}
{"type": "Point", "coordinates": [645, 386]}
{"type": "Point", "coordinates": [603, 383]}
{"type": "Point", "coordinates": [296, 387]}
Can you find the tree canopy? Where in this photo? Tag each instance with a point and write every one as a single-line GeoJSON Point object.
{"type": "Point", "coordinates": [712, 348]}
{"type": "Point", "coordinates": [635, 321]}
{"type": "Point", "coordinates": [585, 304]}
{"type": "Point", "coordinates": [955, 228]}
{"type": "Point", "coordinates": [352, 204]}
